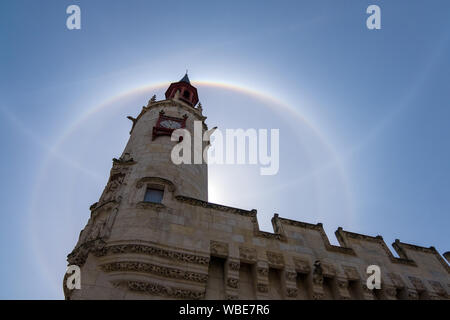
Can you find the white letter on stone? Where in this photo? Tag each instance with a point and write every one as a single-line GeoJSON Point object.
{"type": "Point", "coordinates": [374, 280]}
{"type": "Point", "coordinates": [184, 146]}
{"type": "Point", "coordinates": [207, 138]}
{"type": "Point", "coordinates": [215, 154]}
{"type": "Point", "coordinates": [74, 280]}
{"type": "Point", "coordinates": [373, 21]}
{"type": "Point", "coordinates": [74, 20]}
{"type": "Point", "coordinates": [274, 159]}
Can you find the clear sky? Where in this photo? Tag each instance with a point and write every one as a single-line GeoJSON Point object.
{"type": "Point", "coordinates": [363, 114]}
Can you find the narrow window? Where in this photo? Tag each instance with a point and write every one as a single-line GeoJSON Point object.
{"type": "Point", "coordinates": [153, 195]}
{"type": "Point", "coordinates": [187, 94]}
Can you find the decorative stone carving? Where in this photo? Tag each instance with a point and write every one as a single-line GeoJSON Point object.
{"type": "Point", "coordinates": [390, 292]}
{"type": "Point", "coordinates": [262, 287]}
{"type": "Point", "coordinates": [302, 265]}
{"type": "Point", "coordinates": [397, 281]}
{"type": "Point", "coordinates": [150, 205]}
{"type": "Point", "coordinates": [274, 258]}
{"type": "Point", "coordinates": [437, 287]}
{"type": "Point", "coordinates": [291, 292]}
{"type": "Point", "coordinates": [161, 290]}
{"type": "Point", "coordinates": [248, 254]}
{"type": "Point", "coordinates": [318, 295]}
{"type": "Point", "coordinates": [368, 293]}
{"type": "Point", "coordinates": [155, 180]}
{"type": "Point", "coordinates": [219, 248]}
{"type": "Point", "coordinates": [152, 250]}
{"type": "Point", "coordinates": [351, 273]}
{"type": "Point", "coordinates": [263, 272]}
{"type": "Point", "coordinates": [342, 283]}
{"type": "Point", "coordinates": [412, 294]}
{"type": "Point", "coordinates": [125, 160]}
{"type": "Point", "coordinates": [291, 276]}
{"type": "Point", "coordinates": [134, 266]}
{"type": "Point", "coordinates": [234, 265]}
{"type": "Point", "coordinates": [231, 297]}
{"type": "Point", "coordinates": [233, 283]}
{"type": "Point", "coordinates": [417, 283]}
{"type": "Point", "coordinates": [328, 270]}
{"type": "Point", "coordinates": [79, 255]}
{"type": "Point", "coordinates": [317, 273]}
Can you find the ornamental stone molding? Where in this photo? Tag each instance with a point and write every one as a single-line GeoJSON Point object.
{"type": "Point", "coordinates": [417, 283]}
{"type": "Point", "coordinates": [234, 265]}
{"type": "Point", "coordinates": [328, 270]}
{"type": "Point", "coordinates": [219, 249]}
{"type": "Point", "coordinates": [274, 258]}
{"type": "Point", "coordinates": [157, 181]}
{"type": "Point", "coordinates": [291, 292]}
{"type": "Point", "coordinates": [302, 265]}
{"type": "Point", "coordinates": [351, 272]}
{"type": "Point", "coordinates": [153, 250]}
{"type": "Point", "coordinates": [263, 272]}
{"type": "Point", "coordinates": [262, 287]}
{"type": "Point", "coordinates": [247, 254]}
{"type": "Point", "coordinates": [233, 283]}
{"type": "Point", "coordinates": [397, 280]}
{"type": "Point", "coordinates": [143, 267]}
{"type": "Point", "coordinates": [157, 289]}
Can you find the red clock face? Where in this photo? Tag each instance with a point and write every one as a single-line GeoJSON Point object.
{"type": "Point", "coordinates": [166, 125]}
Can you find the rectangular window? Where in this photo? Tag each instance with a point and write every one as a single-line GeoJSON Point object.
{"type": "Point", "coordinates": [153, 195]}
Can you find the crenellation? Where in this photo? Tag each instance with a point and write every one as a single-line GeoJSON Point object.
{"type": "Point", "coordinates": [184, 247]}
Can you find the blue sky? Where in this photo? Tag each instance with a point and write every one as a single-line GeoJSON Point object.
{"type": "Point", "coordinates": [363, 115]}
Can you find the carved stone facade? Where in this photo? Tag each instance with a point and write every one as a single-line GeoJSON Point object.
{"type": "Point", "coordinates": [185, 247]}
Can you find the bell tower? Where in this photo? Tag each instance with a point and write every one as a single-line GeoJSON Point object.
{"type": "Point", "coordinates": [138, 200]}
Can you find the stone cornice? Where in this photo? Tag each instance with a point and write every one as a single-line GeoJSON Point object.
{"type": "Point", "coordinates": [379, 240]}
{"type": "Point", "coordinates": [400, 246]}
{"type": "Point", "coordinates": [319, 228]}
{"type": "Point", "coordinates": [219, 207]}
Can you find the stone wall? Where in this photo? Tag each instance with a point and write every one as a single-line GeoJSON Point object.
{"type": "Point", "coordinates": [187, 248]}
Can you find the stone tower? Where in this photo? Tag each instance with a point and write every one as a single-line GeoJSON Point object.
{"type": "Point", "coordinates": [154, 235]}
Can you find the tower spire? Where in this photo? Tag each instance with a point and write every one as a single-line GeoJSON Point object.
{"type": "Point", "coordinates": [183, 90]}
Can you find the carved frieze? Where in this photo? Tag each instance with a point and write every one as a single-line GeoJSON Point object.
{"type": "Point", "coordinates": [247, 254]}
{"type": "Point", "coordinates": [291, 276]}
{"type": "Point", "coordinates": [390, 292]}
{"type": "Point", "coordinates": [417, 283]}
{"type": "Point", "coordinates": [397, 280]}
{"type": "Point", "coordinates": [133, 266]}
{"type": "Point", "coordinates": [263, 272]}
{"type": "Point", "coordinates": [161, 290]}
{"type": "Point", "coordinates": [291, 292]}
{"type": "Point", "coordinates": [351, 273]}
{"type": "Point", "coordinates": [218, 248]}
{"type": "Point", "coordinates": [262, 287]}
{"type": "Point", "coordinates": [275, 258]}
{"type": "Point", "coordinates": [437, 287]}
{"type": "Point", "coordinates": [234, 265]}
{"type": "Point", "coordinates": [233, 283]}
{"type": "Point", "coordinates": [302, 265]}
{"type": "Point", "coordinates": [156, 251]}
{"type": "Point", "coordinates": [328, 270]}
